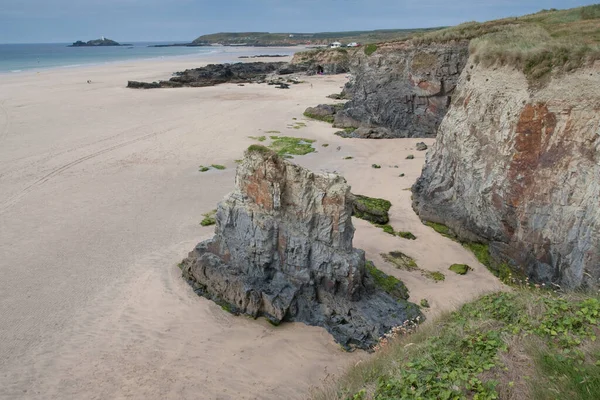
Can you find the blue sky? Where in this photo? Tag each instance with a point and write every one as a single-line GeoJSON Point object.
{"type": "Point", "coordinates": [44, 21]}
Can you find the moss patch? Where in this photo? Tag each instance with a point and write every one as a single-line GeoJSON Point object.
{"type": "Point", "coordinates": [401, 261]}
{"type": "Point", "coordinates": [324, 118]}
{"type": "Point", "coordinates": [285, 145]}
{"type": "Point", "coordinates": [388, 283]}
{"type": "Point", "coordinates": [406, 235]}
{"type": "Point", "coordinates": [460, 269]}
{"type": "Point", "coordinates": [371, 209]}
{"type": "Point", "coordinates": [209, 218]}
{"type": "Point", "coordinates": [259, 138]}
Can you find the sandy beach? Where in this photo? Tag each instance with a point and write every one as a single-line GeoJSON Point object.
{"type": "Point", "coordinates": [101, 197]}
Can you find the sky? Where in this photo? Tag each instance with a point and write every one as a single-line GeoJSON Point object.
{"type": "Point", "coordinates": [62, 21]}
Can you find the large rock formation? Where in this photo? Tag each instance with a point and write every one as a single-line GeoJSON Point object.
{"type": "Point", "coordinates": [324, 61]}
{"type": "Point", "coordinates": [214, 74]}
{"type": "Point", "coordinates": [283, 250]}
{"type": "Point", "coordinates": [519, 167]}
{"type": "Point", "coordinates": [402, 89]}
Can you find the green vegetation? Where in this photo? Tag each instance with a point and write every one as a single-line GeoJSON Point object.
{"type": "Point", "coordinates": [410, 157]}
{"type": "Point", "coordinates": [370, 49]}
{"type": "Point", "coordinates": [441, 229]}
{"type": "Point", "coordinates": [406, 235]}
{"type": "Point", "coordinates": [406, 263]}
{"type": "Point", "coordinates": [482, 253]}
{"type": "Point", "coordinates": [424, 303]}
{"type": "Point", "coordinates": [433, 275]}
{"type": "Point", "coordinates": [218, 166]}
{"type": "Point", "coordinates": [325, 145]}
{"type": "Point", "coordinates": [388, 283]}
{"type": "Point", "coordinates": [460, 269]}
{"type": "Point", "coordinates": [203, 168]}
{"type": "Point", "coordinates": [209, 218]}
{"type": "Point", "coordinates": [273, 132]}
{"type": "Point", "coordinates": [293, 38]}
{"type": "Point", "coordinates": [324, 118]}
{"type": "Point", "coordinates": [376, 166]}
{"type": "Point", "coordinates": [259, 149]}
{"type": "Point", "coordinates": [401, 175]}
{"type": "Point", "coordinates": [348, 158]}
{"type": "Point", "coordinates": [287, 146]}
{"type": "Point", "coordinates": [527, 344]}
{"type": "Point", "coordinates": [371, 209]}
{"type": "Point", "coordinates": [538, 44]}
{"type": "Point", "coordinates": [299, 125]}
{"type": "Point", "coordinates": [259, 138]}
{"type": "Point", "coordinates": [387, 229]}
{"type": "Point", "coordinates": [401, 261]}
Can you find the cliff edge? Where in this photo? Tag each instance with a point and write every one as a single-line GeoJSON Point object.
{"type": "Point", "coordinates": [518, 167]}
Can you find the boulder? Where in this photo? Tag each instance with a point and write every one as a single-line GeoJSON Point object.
{"type": "Point", "coordinates": [283, 250]}
{"type": "Point", "coordinates": [421, 146]}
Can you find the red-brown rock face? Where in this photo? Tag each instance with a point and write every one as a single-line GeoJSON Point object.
{"type": "Point", "coordinates": [520, 168]}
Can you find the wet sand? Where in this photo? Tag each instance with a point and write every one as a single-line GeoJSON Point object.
{"type": "Point", "coordinates": [101, 197]}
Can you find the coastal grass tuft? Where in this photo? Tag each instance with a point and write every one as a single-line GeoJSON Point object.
{"type": "Point", "coordinates": [550, 41]}
{"type": "Point", "coordinates": [370, 49]}
{"type": "Point", "coordinates": [524, 344]}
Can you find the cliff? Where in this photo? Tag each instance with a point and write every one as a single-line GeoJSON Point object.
{"type": "Point", "coordinates": [283, 250]}
{"type": "Point", "coordinates": [517, 166]}
{"type": "Point", "coordinates": [402, 89]}
{"type": "Point", "coordinates": [399, 89]}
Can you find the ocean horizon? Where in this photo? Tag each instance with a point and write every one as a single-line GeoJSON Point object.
{"type": "Point", "coordinates": [15, 58]}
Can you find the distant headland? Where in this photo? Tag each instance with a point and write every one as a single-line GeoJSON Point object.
{"type": "Point", "coordinates": [97, 42]}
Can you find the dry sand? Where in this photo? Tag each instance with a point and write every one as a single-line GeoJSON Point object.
{"type": "Point", "coordinates": [101, 197]}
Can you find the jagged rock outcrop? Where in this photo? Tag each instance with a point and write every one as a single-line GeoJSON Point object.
{"type": "Point", "coordinates": [324, 61]}
{"type": "Point", "coordinates": [402, 89]}
{"type": "Point", "coordinates": [519, 167]}
{"type": "Point", "coordinates": [214, 74]}
{"type": "Point", "coordinates": [283, 250]}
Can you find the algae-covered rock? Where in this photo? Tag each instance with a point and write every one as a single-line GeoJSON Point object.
{"type": "Point", "coordinates": [371, 209]}
{"type": "Point", "coordinates": [460, 269]}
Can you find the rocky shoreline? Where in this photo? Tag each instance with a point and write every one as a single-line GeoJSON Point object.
{"type": "Point", "coordinates": [215, 74]}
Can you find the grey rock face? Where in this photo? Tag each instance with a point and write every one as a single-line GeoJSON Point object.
{"type": "Point", "coordinates": [404, 88]}
{"type": "Point", "coordinates": [283, 250]}
{"type": "Point", "coordinates": [519, 168]}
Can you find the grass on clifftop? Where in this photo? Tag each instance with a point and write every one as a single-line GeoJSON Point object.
{"type": "Point", "coordinates": [527, 344]}
{"type": "Point", "coordinates": [540, 43]}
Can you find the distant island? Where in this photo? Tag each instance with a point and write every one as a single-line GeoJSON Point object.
{"type": "Point", "coordinates": [96, 43]}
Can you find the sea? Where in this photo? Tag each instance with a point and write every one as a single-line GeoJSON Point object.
{"type": "Point", "coordinates": [16, 58]}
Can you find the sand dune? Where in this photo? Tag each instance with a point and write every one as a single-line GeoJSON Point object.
{"type": "Point", "coordinates": [101, 197]}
